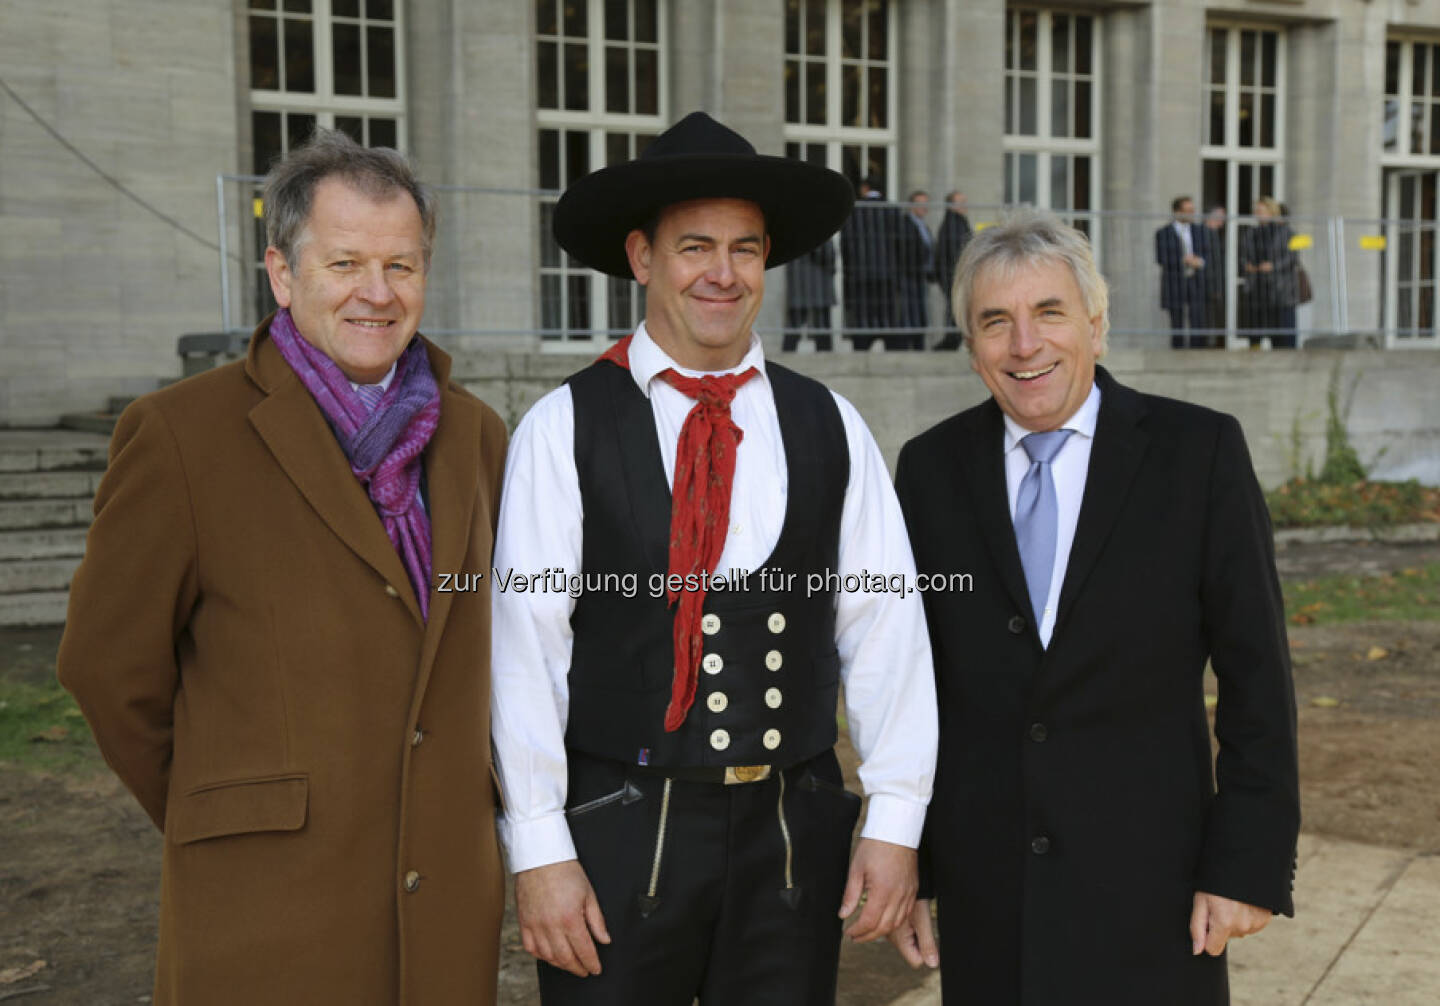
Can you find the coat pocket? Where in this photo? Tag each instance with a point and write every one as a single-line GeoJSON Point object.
{"type": "Point", "coordinates": [239, 807]}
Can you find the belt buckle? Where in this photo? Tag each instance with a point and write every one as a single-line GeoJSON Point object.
{"type": "Point", "coordinates": [737, 774]}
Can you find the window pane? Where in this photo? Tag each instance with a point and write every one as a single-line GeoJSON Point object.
{"type": "Point", "coordinates": [1060, 43]}
{"type": "Point", "coordinates": [577, 155]}
{"type": "Point", "coordinates": [792, 151]}
{"type": "Point", "coordinates": [850, 96]}
{"type": "Point", "coordinates": [1012, 29]}
{"type": "Point", "coordinates": [1027, 178]}
{"type": "Point", "coordinates": [577, 78]}
{"type": "Point", "coordinates": [298, 128]}
{"type": "Point", "coordinates": [1213, 188]}
{"type": "Point", "coordinates": [380, 55]}
{"type": "Point", "coordinates": [792, 91]}
{"type": "Point", "coordinates": [617, 148]}
{"type": "Point", "coordinates": [380, 10]}
{"type": "Point", "coordinates": [1434, 131]}
{"type": "Point", "coordinates": [548, 72]}
{"type": "Point", "coordinates": [815, 27]}
{"type": "Point", "coordinates": [345, 50]}
{"type": "Point", "coordinates": [1391, 126]}
{"type": "Point", "coordinates": [642, 140]}
{"type": "Point", "coordinates": [1010, 106]}
{"type": "Point", "coordinates": [1009, 178]}
{"type": "Point", "coordinates": [550, 303]}
{"type": "Point", "coordinates": [1247, 118]}
{"type": "Point", "coordinates": [352, 126]}
{"type": "Point", "coordinates": [1417, 71]}
{"type": "Point", "coordinates": [879, 98]}
{"type": "Point", "coordinates": [578, 316]}
{"type": "Point", "coordinates": [1417, 127]}
{"type": "Point", "coordinates": [851, 13]}
{"type": "Point", "coordinates": [617, 79]}
{"type": "Point", "coordinates": [1060, 108]}
{"type": "Point", "coordinates": [298, 6]}
{"type": "Point", "coordinates": [1392, 67]}
{"type": "Point", "coordinates": [1084, 45]}
{"type": "Point", "coordinates": [345, 8]}
{"type": "Point", "coordinates": [1081, 183]}
{"type": "Point", "coordinates": [575, 18]}
{"type": "Point", "coordinates": [1434, 72]}
{"type": "Point", "coordinates": [1084, 100]}
{"type": "Point", "coordinates": [647, 28]}
{"type": "Point", "coordinates": [815, 93]}
{"type": "Point", "coordinates": [264, 54]}
{"type": "Point", "coordinates": [1267, 120]}
{"type": "Point", "coordinates": [383, 133]}
{"type": "Point", "coordinates": [1267, 180]}
{"type": "Point", "coordinates": [299, 56]}
{"type": "Point", "coordinates": [265, 137]}
{"type": "Point", "coordinates": [621, 295]}
{"type": "Point", "coordinates": [545, 20]}
{"type": "Point", "coordinates": [1059, 189]}
{"type": "Point", "coordinates": [616, 28]}
{"type": "Point", "coordinates": [1217, 117]}
{"type": "Point", "coordinates": [262, 4]}
{"type": "Point", "coordinates": [549, 158]}
{"type": "Point", "coordinates": [877, 166]}
{"type": "Point", "coordinates": [879, 25]}
{"type": "Point", "coordinates": [1029, 34]}
{"type": "Point", "coordinates": [1269, 42]}
{"type": "Point", "coordinates": [1217, 55]}
{"type": "Point", "coordinates": [815, 153]}
{"type": "Point", "coordinates": [1247, 59]}
{"type": "Point", "coordinates": [792, 27]}
{"type": "Point", "coordinates": [647, 82]}
{"type": "Point", "coordinates": [1028, 104]}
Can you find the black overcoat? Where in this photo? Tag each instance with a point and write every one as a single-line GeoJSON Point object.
{"type": "Point", "coordinates": [1075, 809]}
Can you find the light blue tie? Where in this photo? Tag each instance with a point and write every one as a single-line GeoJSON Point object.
{"type": "Point", "coordinates": [370, 395]}
{"type": "Point", "coordinates": [1036, 516]}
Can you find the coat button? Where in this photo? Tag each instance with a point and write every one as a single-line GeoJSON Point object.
{"type": "Point", "coordinates": [720, 739]}
{"type": "Point", "coordinates": [773, 698]}
{"type": "Point", "coordinates": [417, 737]}
{"type": "Point", "coordinates": [1039, 845]}
{"type": "Point", "coordinates": [717, 702]}
{"type": "Point", "coordinates": [390, 591]}
{"type": "Point", "coordinates": [1016, 624]}
{"type": "Point", "coordinates": [1038, 733]}
{"type": "Point", "coordinates": [710, 624]}
{"type": "Point", "coordinates": [412, 882]}
{"type": "Point", "coordinates": [774, 660]}
{"type": "Point", "coordinates": [775, 623]}
{"type": "Point", "coordinates": [771, 739]}
{"type": "Point", "coordinates": [713, 663]}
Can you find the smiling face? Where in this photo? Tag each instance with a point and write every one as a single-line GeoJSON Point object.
{"type": "Point", "coordinates": [357, 289]}
{"type": "Point", "coordinates": [704, 279]}
{"type": "Point", "coordinates": [1034, 346]}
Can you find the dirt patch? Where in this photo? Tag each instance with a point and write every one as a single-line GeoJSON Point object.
{"type": "Point", "coordinates": [79, 862]}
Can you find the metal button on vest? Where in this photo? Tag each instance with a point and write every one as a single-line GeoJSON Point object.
{"type": "Point", "coordinates": [1038, 733]}
{"type": "Point", "coordinates": [774, 659]}
{"type": "Point", "coordinates": [1016, 624]}
{"type": "Point", "coordinates": [773, 698]}
{"type": "Point", "coordinates": [776, 623]}
{"type": "Point", "coordinates": [717, 702]}
{"type": "Point", "coordinates": [1040, 845]}
{"type": "Point", "coordinates": [771, 740]}
{"type": "Point", "coordinates": [713, 663]}
{"type": "Point", "coordinates": [391, 591]}
{"type": "Point", "coordinates": [417, 737]}
{"type": "Point", "coordinates": [412, 881]}
{"type": "Point", "coordinates": [710, 624]}
{"type": "Point", "coordinates": [720, 739]}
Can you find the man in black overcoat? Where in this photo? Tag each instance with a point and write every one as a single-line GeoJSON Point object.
{"type": "Point", "coordinates": [1082, 845]}
{"type": "Point", "coordinates": [1181, 253]}
{"type": "Point", "coordinates": [955, 232]}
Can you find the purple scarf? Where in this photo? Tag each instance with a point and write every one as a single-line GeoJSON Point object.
{"type": "Point", "coordinates": [383, 446]}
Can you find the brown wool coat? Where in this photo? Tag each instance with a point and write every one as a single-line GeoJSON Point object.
{"type": "Point", "coordinates": [247, 648]}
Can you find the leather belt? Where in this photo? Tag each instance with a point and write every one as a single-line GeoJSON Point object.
{"type": "Point", "coordinates": [726, 775]}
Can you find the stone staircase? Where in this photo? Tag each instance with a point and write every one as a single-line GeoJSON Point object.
{"type": "Point", "coordinates": [47, 483]}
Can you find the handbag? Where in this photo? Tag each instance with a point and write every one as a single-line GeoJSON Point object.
{"type": "Point", "coordinates": [1304, 293]}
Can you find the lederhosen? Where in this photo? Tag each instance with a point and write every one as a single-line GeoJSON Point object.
{"type": "Point", "coordinates": [725, 892]}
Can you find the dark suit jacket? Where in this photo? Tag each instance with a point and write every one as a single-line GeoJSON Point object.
{"type": "Point", "coordinates": [1175, 287]}
{"type": "Point", "coordinates": [1075, 813]}
{"type": "Point", "coordinates": [949, 245]}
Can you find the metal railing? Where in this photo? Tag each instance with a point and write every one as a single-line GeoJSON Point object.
{"type": "Point", "coordinates": [497, 277]}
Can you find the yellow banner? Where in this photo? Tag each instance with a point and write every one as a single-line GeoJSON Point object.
{"type": "Point", "coordinates": [1300, 242]}
{"type": "Point", "coordinates": [1372, 242]}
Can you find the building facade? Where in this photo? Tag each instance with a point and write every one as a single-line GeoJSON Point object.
{"type": "Point", "coordinates": [118, 116]}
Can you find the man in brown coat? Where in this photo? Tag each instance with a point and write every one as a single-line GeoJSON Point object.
{"type": "Point", "coordinates": [263, 640]}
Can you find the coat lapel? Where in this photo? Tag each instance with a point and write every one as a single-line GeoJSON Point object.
{"type": "Point", "coordinates": [304, 446]}
{"type": "Point", "coordinates": [982, 463]}
{"type": "Point", "coordinates": [1114, 460]}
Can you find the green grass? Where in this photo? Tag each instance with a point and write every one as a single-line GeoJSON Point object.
{"type": "Point", "coordinates": [1309, 503]}
{"type": "Point", "coordinates": [41, 727]}
{"type": "Point", "coordinates": [1406, 595]}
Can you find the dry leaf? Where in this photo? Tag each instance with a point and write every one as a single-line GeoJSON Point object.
{"type": "Point", "coordinates": [9, 976]}
{"type": "Point", "coordinates": [1376, 653]}
{"type": "Point", "coordinates": [51, 735]}
{"type": "Point", "coordinates": [1325, 702]}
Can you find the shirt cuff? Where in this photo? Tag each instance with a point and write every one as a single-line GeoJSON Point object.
{"type": "Point", "coordinates": [537, 842]}
{"type": "Point", "coordinates": [895, 820]}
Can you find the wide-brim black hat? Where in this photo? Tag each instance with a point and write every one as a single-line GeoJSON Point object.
{"type": "Point", "coordinates": [698, 158]}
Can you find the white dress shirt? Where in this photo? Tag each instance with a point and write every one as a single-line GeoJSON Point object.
{"type": "Point", "coordinates": [881, 637]}
{"type": "Point", "coordinates": [1069, 469]}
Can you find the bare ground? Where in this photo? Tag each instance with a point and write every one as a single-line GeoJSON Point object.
{"type": "Point", "coordinates": [79, 862]}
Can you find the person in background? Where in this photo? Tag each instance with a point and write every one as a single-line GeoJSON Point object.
{"type": "Point", "coordinates": [914, 269]}
{"type": "Point", "coordinates": [1270, 271]}
{"type": "Point", "coordinates": [867, 263]}
{"type": "Point", "coordinates": [1180, 252]}
{"type": "Point", "coordinates": [1216, 276]}
{"type": "Point", "coordinates": [809, 296]}
{"type": "Point", "coordinates": [954, 234]}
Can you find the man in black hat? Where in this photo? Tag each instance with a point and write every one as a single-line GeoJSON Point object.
{"type": "Point", "coordinates": [709, 546]}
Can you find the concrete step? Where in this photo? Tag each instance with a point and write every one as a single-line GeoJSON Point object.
{"type": "Point", "coordinates": [52, 450]}
{"type": "Point", "coordinates": [16, 515]}
{"type": "Point", "coordinates": [44, 608]}
{"type": "Point", "coordinates": [28, 576]}
{"type": "Point", "coordinates": [54, 543]}
{"type": "Point", "coordinates": [49, 485]}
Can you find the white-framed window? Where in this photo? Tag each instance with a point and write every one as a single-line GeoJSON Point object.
{"type": "Point", "coordinates": [1410, 159]}
{"type": "Point", "coordinates": [1243, 121]}
{"type": "Point", "coordinates": [333, 63]}
{"type": "Point", "coordinates": [600, 98]}
{"type": "Point", "coordinates": [840, 94]}
{"type": "Point", "coordinates": [1052, 111]}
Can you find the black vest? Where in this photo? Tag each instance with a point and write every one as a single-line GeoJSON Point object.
{"type": "Point", "coordinates": [769, 680]}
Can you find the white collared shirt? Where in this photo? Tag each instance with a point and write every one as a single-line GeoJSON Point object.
{"type": "Point", "coordinates": [1182, 230]}
{"type": "Point", "coordinates": [881, 637]}
{"type": "Point", "coordinates": [1069, 469]}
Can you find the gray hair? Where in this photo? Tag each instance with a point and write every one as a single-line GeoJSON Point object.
{"type": "Point", "coordinates": [378, 172]}
{"type": "Point", "coordinates": [1030, 237]}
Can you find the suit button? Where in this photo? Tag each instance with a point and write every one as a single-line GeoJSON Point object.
{"type": "Point", "coordinates": [417, 737]}
{"type": "Point", "coordinates": [1039, 845]}
{"type": "Point", "coordinates": [1038, 733]}
{"type": "Point", "coordinates": [710, 624]}
{"type": "Point", "coordinates": [390, 591]}
{"type": "Point", "coordinates": [774, 660]}
{"type": "Point", "coordinates": [771, 739]}
{"type": "Point", "coordinates": [717, 702]}
{"type": "Point", "coordinates": [776, 623]}
{"type": "Point", "coordinates": [720, 739]}
{"type": "Point", "coordinates": [773, 698]}
{"type": "Point", "coordinates": [1016, 624]}
{"type": "Point", "coordinates": [412, 882]}
{"type": "Point", "coordinates": [713, 663]}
